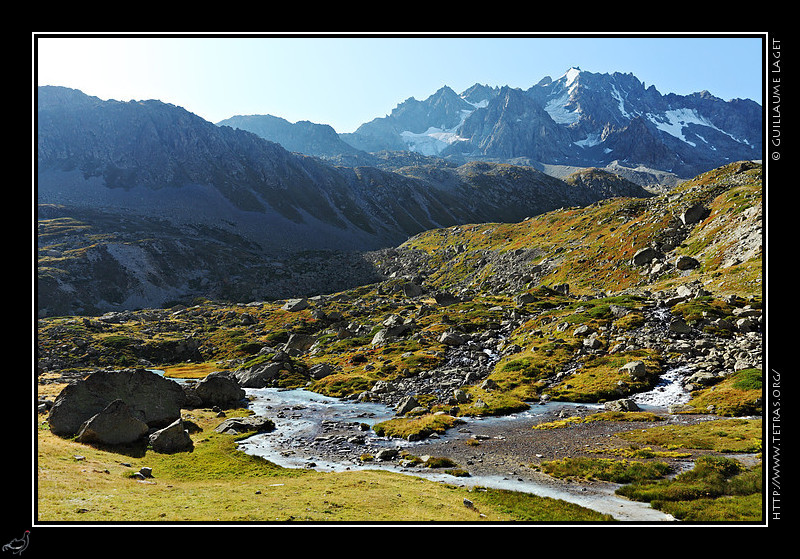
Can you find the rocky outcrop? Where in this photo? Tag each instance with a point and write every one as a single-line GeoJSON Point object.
{"type": "Point", "coordinates": [152, 399]}
{"type": "Point", "coordinates": [237, 425]}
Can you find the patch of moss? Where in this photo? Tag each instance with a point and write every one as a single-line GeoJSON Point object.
{"type": "Point", "coordinates": [716, 489]}
{"type": "Point", "coordinates": [739, 394]}
{"type": "Point", "coordinates": [606, 469]}
{"type": "Point", "coordinates": [420, 427]}
{"type": "Point", "coordinates": [720, 435]}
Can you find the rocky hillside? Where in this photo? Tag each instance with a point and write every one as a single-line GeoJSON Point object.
{"type": "Point", "coordinates": [305, 137]}
{"type": "Point", "coordinates": [587, 304]}
{"type": "Point", "coordinates": [708, 230]}
{"type": "Point", "coordinates": [209, 211]}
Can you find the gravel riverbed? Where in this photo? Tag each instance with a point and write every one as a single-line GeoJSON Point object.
{"type": "Point", "coordinates": [495, 452]}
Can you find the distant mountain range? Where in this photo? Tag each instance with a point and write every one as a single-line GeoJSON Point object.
{"type": "Point", "coordinates": [156, 159]}
{"type": "Point", "coordinates": [143, 202]}
{"type": "Point", "coordinates": [581, 119]}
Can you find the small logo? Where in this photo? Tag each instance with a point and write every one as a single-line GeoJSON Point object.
{"type": "Point", "coordinates": [18, 545]}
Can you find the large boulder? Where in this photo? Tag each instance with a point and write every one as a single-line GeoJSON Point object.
{"type": "Point", "coordinates": [636, 369]}
{"type": "Point", "coordinates": [115, 424]}
{"type": "Point", "coordinates": [452, 338]}
{"type": "Point", "coordinates": [320, 370]}
{"type": "Point", "coordinates": [694, 214]}
{"type": "Point", "coordinates": [219, 390]}
{"type": "Point", "coordinates": [170, 439]}
{"type": "Point", "coordinates": [625, 404]}
{"type": "Point", "coordinates": [646, 255]}
{"type": "Point", "coordinates": [258, 376]}
{"type": "Point", "coordinates": [294, 305]}
{"type": "Point", "coordinates": [297, 344]}
{"type": "Point", "coordinates": [406, 405]}
{"type": "Point", "coordinates": [155, 400]}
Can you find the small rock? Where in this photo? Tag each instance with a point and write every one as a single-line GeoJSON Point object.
{"type": "Point", "coordinates": [624, 404]}
{"type": "Point", "coordinates": [636, 369]}
{"type": "Point", "coordinates": [686, 263]}
{"type": "Point", "coordinates": [294, 305]}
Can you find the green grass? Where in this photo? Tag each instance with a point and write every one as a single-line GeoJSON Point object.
{"type": "Point", "coordinates": [716, 489]}
{"type": "Point", "coordinates": [738, 394]}
{"type": "Point", "coordinates": [218, 483]}
{"type": "Point", "coordinates": [423, 426]}
{"type": "Point", "coordinates": [606, 469]}
{"type": "Point", "coordinates": [721, 435]}
{"type": "Point", "coordinates": [532, 508]}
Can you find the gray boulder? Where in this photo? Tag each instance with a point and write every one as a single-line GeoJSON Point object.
{"type": "Point", "coordinates": [686, 263]}
{"type": "Point", "coordinates": [294, 305]}
{"type": "Point", "coordinates": [219, 390]}
{"type": "Point", "coordinates": [645, 256]}
{"type": "Point", "coordinates": [624, 404]}
{"type": "Point", "coordinates": [298, 344]}
{"type": "Point", "coordinates": [525, 298]}
{"type": "Point", "coordinates": [320, 370]}
{"type": "Point", "coordinates": [412, 289]}
{"type": "Point", "coordinates": [236, 425]}
{"type": "Point", "coordinates": [153, 399]}
{"type": "Point", "coordinates": [173, 438]}
{"type": "Point", "coordinates": [445, 298]}
{"type": "Point", "coordinates": [115, 424]}
{"type": "Point", "coordinates": [636, 369]}
{"type": "Point", "coordinates": [386, 454]}
{"type": "Point", "coordinates": [392, 327]}
{"type": "Point", "coordinates": [592, 342]}
{"type": "Point", "coordinates": [694, 214]}
{"type": "Point", "coordinates": [679, 326]}
{"type": "Point", "coordinates": [702, 379]}
{"type": "Point", "coordinates": [406, 405]}
{"type": "Point", "coordinates": [451, 338]}
{"type": "Point", "coordinates": [258, 376]}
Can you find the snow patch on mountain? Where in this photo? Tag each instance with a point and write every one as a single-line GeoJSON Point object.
{"type": "Point", "coordinates": [675, 121]}
{"type": "Point", "coordinates": [572, 75]}
{"type": "Point", "coordinates": [590, 140]}
{"type": "Point", "coordinates": [431, 142]}
{"type": "Point", "coordinates": [435, 140]}
{"type": "Point", "coordinates": [557, 107]}
{"type": "Point", "coordinates": [621, 103]}
{"type": "Point", "coordinates": [557, 110]}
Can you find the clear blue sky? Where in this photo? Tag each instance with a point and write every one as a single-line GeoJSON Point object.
{"type": "Point", "coordinates": [345, 82]}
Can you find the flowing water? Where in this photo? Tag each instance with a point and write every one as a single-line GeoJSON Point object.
{"type": "Point", "coordinates": [668, 392]}
{"type": "Point", "coordinates": [299, 416]}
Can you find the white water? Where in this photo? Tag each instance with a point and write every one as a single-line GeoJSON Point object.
{"type": "Point", "coordinates": [668, 392]}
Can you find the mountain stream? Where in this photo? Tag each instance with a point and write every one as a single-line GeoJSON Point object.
{"type": "Point", "coordinates": [301, 418]}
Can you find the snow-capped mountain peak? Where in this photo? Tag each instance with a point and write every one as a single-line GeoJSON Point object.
{"type": "Point", "coordinates": [582, 118]}
{"type": "Point", "coordinates": [571, 75]}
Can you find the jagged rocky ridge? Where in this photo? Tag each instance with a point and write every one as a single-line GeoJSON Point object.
{"type": "Point", "coordinates": [581, 119]}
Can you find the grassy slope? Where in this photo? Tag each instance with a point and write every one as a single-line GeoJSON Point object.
{"type": "Point", "coordinates": [591, 249]}
{"type": "Point", "coordinates": [217, 483]}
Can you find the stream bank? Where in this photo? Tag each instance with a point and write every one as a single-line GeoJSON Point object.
{"type": "Point", "coordinates": [327, 434]}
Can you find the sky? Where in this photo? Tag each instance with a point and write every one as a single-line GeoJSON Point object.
{"type": "Point", "coordinates": [345, 81]}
